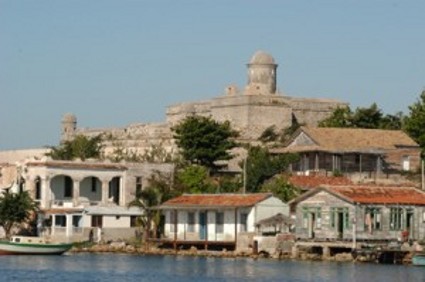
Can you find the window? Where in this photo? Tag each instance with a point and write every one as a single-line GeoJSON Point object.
{"type": "Point", "coordinates": [68, 187]}
{"type": "Point", "coordinates": [138, 185]}
{"type": "Point", "coordinates": [372, 219]}
{"type": "Point", "coordinates": [96, 221]}
{"type": "Point", "coordinates": [405, 163]}
{"type": "Point", "coordinates": [315, 212]}
{"type": "Point", "coordinates": [133, 221]}
{"type": "Point", "coordinates": [60, 220]}
{"type": "Point", "coordinates": [219, 222]}
{"type": "Point", "coordinates": [244, 222]}
{"type": "Point", "coordinates": [190, 222]}
{"type": "Point", "coordinates": [396, 219]}
{"type": "Point", "coordinates": [76, 221]}
{"type": "Point", "coordinates": [38, 188]}
{"type": "Point", "coordinates": [93, 184]}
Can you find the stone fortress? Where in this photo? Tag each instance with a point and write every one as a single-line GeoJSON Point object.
{"type": "Point", "coordinates": [250, 111]}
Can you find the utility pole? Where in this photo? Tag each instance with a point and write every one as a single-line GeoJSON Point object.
{"type": "Point", "coordinates": [244, 175]}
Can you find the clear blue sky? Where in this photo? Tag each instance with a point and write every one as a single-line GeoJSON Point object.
{"type": "Point", "coordinates": [116, 62]}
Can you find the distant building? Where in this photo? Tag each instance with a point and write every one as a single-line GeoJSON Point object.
{"type": "Point", "coordinates": [356, 152]}
{"type": "Point", "coordinates": [257, 107]}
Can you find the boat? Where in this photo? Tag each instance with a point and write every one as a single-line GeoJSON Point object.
{"type": "Point", "coordinates": [419, 259]}
{"type": "Point", "coordinates": [25, 245]}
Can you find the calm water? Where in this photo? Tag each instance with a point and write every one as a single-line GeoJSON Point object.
{"type": "Point", "coordinates": [113, 267]}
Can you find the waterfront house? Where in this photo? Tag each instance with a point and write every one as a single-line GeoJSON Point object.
{"type": "Point", "coordinates": [355, 152]}
{"type": "Point", "coordinates": [216, 219]}
{"type": "Point", "coordinates": [80, 197]}
{"type": "Point", "coordinates": [367, 213]}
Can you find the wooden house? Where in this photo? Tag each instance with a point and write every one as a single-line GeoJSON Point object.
{"type": "Point", "coordinates": [371, 153]}
{"type": "Point", "coordinates": [360, 213]}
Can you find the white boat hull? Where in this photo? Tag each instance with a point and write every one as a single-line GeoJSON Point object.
{"type": "Point", "coordinates": [8, 248]}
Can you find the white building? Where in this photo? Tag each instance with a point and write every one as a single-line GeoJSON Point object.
{"type": "Point", "coordinates": [77, 197]}
{"type": "Point", "coordinates": [216, 219]}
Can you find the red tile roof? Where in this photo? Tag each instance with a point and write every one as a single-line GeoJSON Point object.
{"type": "Point", "coordinates": [314, 181]}
{"type": "Point", "coordinates": [380, 194]}
{"type": "Point", "coordinates": [216, 200]}
{"type": "Point", "coordinates": [78, 165]}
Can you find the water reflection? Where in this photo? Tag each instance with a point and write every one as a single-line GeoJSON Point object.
{"type": "Point", "coordinates": [113, 267]}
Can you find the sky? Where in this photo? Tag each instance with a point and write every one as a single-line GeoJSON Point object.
{"type": "Point", "coordinates": [117, 62]}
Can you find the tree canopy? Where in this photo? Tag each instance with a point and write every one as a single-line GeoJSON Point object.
{"type": "Point", "coordinates": [414, 123]}
{"type": "Point", "coordinates": [368, 117]}
{"type": "Point", "coordinates": [204, 141]}
{"type": "Point", "coordinates": [262, 166]}
{"type": "Point", "coordinates": [15, 209]}
{"type": "Point", "coordinates": [81, 146]}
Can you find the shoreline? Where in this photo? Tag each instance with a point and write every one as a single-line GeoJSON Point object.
{"type": "Point", "coordinates": [124, 248]}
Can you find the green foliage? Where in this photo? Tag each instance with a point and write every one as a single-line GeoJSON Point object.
{"type": "Point", "coordinates": [228, 184]}
{"type": "Point", "coordinates": [15, 209]}
{"type": "Point", "coordinates": [204, 141]}
{"type": "Point", "coordinates": [269, 134]}
{"type": "Point", "coordinates": [159, 190]}
{"type": "Point", "coordinates": [195, 179]}
{"type": "Point", "coordinates": [281, 188]}
{"type": "Point", "coordinates": [414, 123]}
{"type": "Point", "coordinates": [261, 166]}
{"type": "Point", "coordinates": [371, 117]}
{"type": "Point", "coordinates": [341, 117]}
{"type": "Point", "coordinates": [81, 146]}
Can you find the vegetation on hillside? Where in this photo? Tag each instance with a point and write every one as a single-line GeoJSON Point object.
{"type": "Point", "coordinates": [81, 147]}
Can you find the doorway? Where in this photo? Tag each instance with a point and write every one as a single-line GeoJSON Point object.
{"type": "Point", "coordinates": [202, 225]}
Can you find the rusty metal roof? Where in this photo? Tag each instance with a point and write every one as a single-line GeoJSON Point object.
{"type": "Point", "coordinates": [215, 200]}
{"type": "Point", "coordinates": [313, 181]}
{"type": "Point", "coordinates": [380, 194]}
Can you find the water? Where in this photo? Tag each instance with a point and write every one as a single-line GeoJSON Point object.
{"type": "Point", "coordinates": [115, 267]}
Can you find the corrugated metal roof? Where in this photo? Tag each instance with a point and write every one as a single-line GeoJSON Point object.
{"type": "Point", "coordinates": [215, 200]}
{"type": "Point", "coordinates": [381, 194]}
{"type": "Point", "coordinates": [310, 182]}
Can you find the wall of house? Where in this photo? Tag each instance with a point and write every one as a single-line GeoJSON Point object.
{"type": "Point", "coordinates": [228, 226]}
{"type": "Point", "coordinates": [270, 207]}
{"type": "Point", "coordinates": [357, 214]}
{"type": "Point", "coordinates": [324, 201]}
{"type": "Point", "coordinates": [395, 158]}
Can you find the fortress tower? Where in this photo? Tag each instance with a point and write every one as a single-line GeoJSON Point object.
{"type": "Point", "coordinates": [69, 127]}
{"type": "Point", "coordinates": [261, 75]}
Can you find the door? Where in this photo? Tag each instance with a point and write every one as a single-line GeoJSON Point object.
{"type": "Point", "coordinates": [311, 225]}
{"type": "Point", "coordinates": [409, 224]}
{"type": "Point", "coordinates": [202, 225]}
{"type": "Point", "coordinates": [340, 225]}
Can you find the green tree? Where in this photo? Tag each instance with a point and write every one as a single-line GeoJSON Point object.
{"type": "Point", "coordinates": [81, 146]}
{"type": "Point", "coordinates": [281, 188]}
{"type": "Point", "coordinates": [15, 209]}
{"type": "Point", "coordinates": [414, 122]}
{"type": "Point", "coordinates": [195, 179]}
{"type": "Point", "coordinates": [262, 166]}
{"type": "Point", "coordinates": [340, 117]}
{"type": "Point", "coordinates": [392, 122]}
{"type": "Point", "coordinates": [204, 141]}
{"type": "Point", "coordinates": [367, 117]}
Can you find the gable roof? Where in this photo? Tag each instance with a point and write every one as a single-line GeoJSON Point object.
{"type": "Point", "coordinates": [349, 140]}
{"type": "Point", "coordinates": [215, 200]}
{"type": "Point", "coordinates": [389, 195]}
